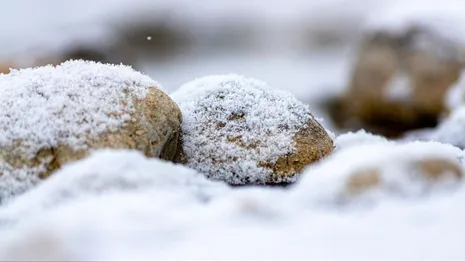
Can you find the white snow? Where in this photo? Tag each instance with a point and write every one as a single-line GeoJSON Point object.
{"type": "Point", "coordinates": [361, 137]}
{"type": "Point", "coordinates": [399, 88]}
{"type": "Point", "coordinates": [150, 211]}
{"type": "Point", "coordinates": [395, 164]}
{"type": "Point", "coordinates": [64, 105]}
{"type": "Point", "coordinates": [451, 130]}
{"type": "Point", "coordinates": [112, 172]}
{"type": "Point", "coordinates": [232, 123]}
{"type": "Point", "coordinates": [455, 96]}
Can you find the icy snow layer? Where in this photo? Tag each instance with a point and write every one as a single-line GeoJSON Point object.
{"type": "Point", "coordinates": [64, 105]}
{"type": "Point", "coordinates": [232, 123]}
{"type": "Point", "coordinates": [152, 211]}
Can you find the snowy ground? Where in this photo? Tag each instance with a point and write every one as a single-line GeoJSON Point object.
{"type": "Point", "coordinates": [118, 205]}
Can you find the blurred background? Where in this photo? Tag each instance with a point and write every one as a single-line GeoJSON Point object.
{"type": "Point", "coordinates": [357, 63]}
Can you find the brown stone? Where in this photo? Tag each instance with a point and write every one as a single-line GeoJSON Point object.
{"type": "Point", "coordinates": [311, 144]}
{"type": "Point", "coordinates": [382, 58]}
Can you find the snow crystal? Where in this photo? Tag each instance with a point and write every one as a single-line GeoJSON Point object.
{"type": "Point", "coordinates": [232, 123]}
{"type": "Point", "coordinates": [111, 171]}
{"type": "Point", "coordinates": [451, 130]}
{"type": "Point", "coordinates": [326, 182]}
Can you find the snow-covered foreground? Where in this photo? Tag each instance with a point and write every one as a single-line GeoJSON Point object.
{"type": "Point", "coordinates": [118, 205]}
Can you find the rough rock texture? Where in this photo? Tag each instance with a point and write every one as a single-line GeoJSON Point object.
{"type": "Point", "coordinates": [399, 83]}
{"type": "Point", "coordinates": [241, 131]}
{"type": "Point", "coordinates": [54, 115]}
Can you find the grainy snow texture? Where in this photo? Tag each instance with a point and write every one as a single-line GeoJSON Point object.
{"type": "Point", "coordinates": [118, 205]}
{"type": "Point", "coordinates": [64, 105]}
{"type": "Point", "coordinates": [232, 124]}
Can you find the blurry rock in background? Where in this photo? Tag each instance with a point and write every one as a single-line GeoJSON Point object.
{"type": "Point", "coordinates": [402, 75]}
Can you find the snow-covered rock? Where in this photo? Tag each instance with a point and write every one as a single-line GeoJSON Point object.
{"type": "Point", "coordinates": [53, 115]}
{"type": "Point", "coordinates": [409, 59]}
{"type": "Point", "coordinates": [240, 130]}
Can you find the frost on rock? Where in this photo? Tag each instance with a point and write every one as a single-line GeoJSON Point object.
{"type": "Point", "coordinates": [109, 171]}
{"type": "Point", "coordinates": [451, 130]}
{"type": "Point", "coordinates": [43, 107]}
{"type": "Point", "coordinates": [369, 172]}
{"type": "Point", "coordinates": [233, 125]}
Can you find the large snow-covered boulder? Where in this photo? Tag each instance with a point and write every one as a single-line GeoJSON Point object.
{"type": "Point", "coordinates": [369, 172]}
{"type": "Point", "coordinates": [242, 131]}
{"type": "Point", "coordinates": [50, 116]}
{"type": "Point", "coordinates": [409, 58]}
